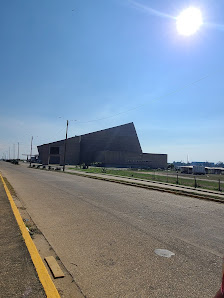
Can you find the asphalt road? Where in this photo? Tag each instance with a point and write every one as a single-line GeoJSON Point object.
{"type": "Point", "coordinates": [106, 234]}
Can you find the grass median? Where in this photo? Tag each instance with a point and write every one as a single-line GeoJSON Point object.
{"type": "Point", "coordinates": [195, 181]}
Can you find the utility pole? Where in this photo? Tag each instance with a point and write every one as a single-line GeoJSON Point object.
{"type": "Point", "coordinates": [18, 152]}
{"type": "Point", "coordinates": [14, 154]}
{"type": "Point", "coordinates": [66, 137]}
{"type": "Point", "coordinates": [9, 152]}
{"type": "Point", "coordinates": [31, 149]}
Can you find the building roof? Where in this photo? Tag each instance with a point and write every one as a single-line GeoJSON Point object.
{"type": "Point", "coordinates": [124, 130]}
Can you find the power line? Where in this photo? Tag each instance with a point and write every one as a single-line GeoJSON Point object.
{"type": "Point", "coordinates": [131, 109]}
{"type": "Point", "coordinates": [143, 104]}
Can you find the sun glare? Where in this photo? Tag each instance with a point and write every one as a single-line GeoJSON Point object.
{"type": "Point", "coordinates": [189, 21]}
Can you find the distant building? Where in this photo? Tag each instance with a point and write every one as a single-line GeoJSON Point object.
{"type": "Point", "coordinates": [214, 170]}
{"type": "Point", "coordinates": [178, 164]}
{"type": "Point", "coordinates": [197, 170]}
{"type": "Point", "coordinates": [203, 163]}
{"type": "Point", "coordinates": [201, 170]}
{"type": "Point", "coordinates": [113, 147]}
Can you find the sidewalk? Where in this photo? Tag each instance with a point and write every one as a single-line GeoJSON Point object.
{"type": "Point", "coordinates": [160, 186]}
{"type": "Point", "coordinates": [18, 277]}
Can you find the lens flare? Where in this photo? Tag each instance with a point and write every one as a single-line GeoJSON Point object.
{"type": "Point", "coordinates": [189, 21]}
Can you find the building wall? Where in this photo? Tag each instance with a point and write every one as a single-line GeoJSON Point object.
{"type": "Point", "coordinates": [72, 152]}
{"type": "Point", "coordinates": [117, 146]}
{"type": "Point", "coordinates": [156, 160]}
{"type": "Point", "coordinates": [121, 138]}
{"type": "Point", "coordinates": [131, 159]}
{"type": "Point", "coordinates": [43, 153]}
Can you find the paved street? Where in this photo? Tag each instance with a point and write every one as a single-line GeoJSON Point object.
{"type": "Point", "coordinates": [106, 234]}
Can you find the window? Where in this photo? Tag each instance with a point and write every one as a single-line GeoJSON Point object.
{"type": "Point", "coordinates": [54, 150]}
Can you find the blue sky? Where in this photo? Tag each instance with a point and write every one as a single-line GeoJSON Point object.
{"type": "Point", "coordinates": [113, 62]}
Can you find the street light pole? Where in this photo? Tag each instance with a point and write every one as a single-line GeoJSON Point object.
{"type": "Point", "coordinates": [31, 147]}
{"type": "Point", "coordinates": [66, 137]}
{"type": "Point", "coordinates": [18, 152]}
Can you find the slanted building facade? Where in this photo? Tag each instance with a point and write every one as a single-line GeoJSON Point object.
{"type": "Point", "coordinates": [113, 147]}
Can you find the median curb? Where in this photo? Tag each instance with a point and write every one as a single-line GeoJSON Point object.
{"type": "Point", "coordinates": [42, 272]}
{"type": "Point", "coordinates": [209, 197]}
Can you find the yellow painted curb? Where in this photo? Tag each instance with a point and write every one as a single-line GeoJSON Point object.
{"type": "Point", "coordinates": [43, 275]}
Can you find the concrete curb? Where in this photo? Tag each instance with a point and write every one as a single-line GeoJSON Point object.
{"type": "Point", "coordinates": [210, 196]}
{"type": "Point", "coordinates": [181, 187]}
{"type": "Point", "coordinates": [42, 272]}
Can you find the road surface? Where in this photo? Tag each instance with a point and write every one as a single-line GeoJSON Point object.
{"type": "Point", "coordinates": [106, 234]}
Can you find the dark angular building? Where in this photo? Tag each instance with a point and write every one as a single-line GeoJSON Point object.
{"type": "Point", "coordinates": [113, 147]}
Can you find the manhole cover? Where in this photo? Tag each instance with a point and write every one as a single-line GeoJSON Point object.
{"type": "Point", "coordinates": [164, 253]}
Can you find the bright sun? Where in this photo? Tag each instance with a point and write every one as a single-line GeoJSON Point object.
{"type": "Point", "coordinates": [189, 21]}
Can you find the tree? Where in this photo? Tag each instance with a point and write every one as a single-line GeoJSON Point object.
{"type": "Point", "coordinates": [219, 164]}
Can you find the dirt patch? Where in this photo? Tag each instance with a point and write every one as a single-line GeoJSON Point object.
{"type": "Point", "coordinates": [18, 277]}
{"type": "Point", "coordinates": [66, 286]}
{"type": "Point", "coordinates": [11, 189]}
